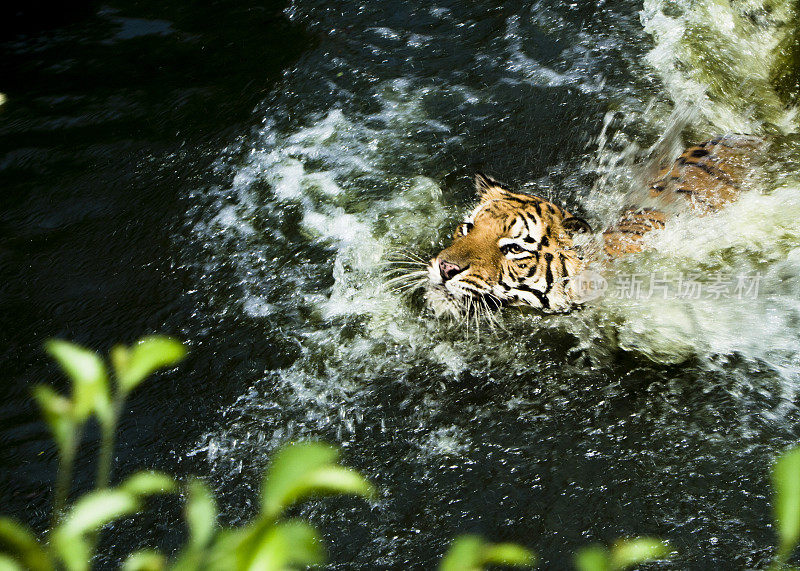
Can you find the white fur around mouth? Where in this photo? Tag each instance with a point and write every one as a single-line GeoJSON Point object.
{"type": "Point", "coordinates": [448, 298]}
{"type": "Point", "coordinates": [442, 302]}
{"type": "Point", "coordinates": [437, 298]}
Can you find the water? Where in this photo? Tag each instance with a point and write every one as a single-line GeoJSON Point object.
{"type": "Point", "coordinates": [629, 417]}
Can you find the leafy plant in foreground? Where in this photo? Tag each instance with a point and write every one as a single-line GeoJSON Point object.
{"type": "Point", "coordinates": [624, 554]}
{"type": "Point", "coordinates": [73, 533]}
{"type": "Point", "coordinates": [269, 542]}
{"type": "Point", "coordinates": [472, 553]}
{"type": "Point", "coordinates": [297, 472]}
{"type": "Point", "coordinates": [786, 505]}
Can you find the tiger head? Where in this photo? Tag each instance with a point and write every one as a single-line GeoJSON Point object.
{"type": "Point", "coordinates": [512, 250]}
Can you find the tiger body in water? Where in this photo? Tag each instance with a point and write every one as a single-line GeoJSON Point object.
{"type": "Point", "coordinates": [519, 250]}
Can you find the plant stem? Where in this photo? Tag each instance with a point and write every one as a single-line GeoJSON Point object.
{"type": "Point", "coordinates": [106, 456]}
{"type": "Point", "coordinates": [64, 476]}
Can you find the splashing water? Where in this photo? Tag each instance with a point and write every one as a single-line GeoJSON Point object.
{"type": "Point", "coordinates": [360, 160]}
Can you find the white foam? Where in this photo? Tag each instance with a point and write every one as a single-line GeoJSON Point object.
{"type": "Point", "coordinates": [747, 236]}
{"type": "Point", "coordinates": [752, 237]}
{"type": "Point", "coordinates": [713, 57]}
{"type": "Point", "coordinates": [228, 219]}
{"type": "Point", "coordinates": [258, 307]}
{"type": "Point", "coordinates": [446, 441]}
{"type": "Point", "coordinates": [338, 170]}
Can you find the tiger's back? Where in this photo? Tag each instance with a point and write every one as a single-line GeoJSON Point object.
{"type": "Point", "coordinates": [703, 178]}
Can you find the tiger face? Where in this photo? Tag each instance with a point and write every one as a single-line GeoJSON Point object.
{"type": "Point", "coordinates": [512, 250]}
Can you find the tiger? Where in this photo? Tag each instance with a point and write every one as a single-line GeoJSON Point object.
{"type": "Point", "coordinates": [519, 250]}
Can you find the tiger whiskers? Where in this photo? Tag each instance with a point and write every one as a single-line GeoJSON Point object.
{"type": "Point", "coordinates": [401, 273]}
{"type": "Point", "coordinates": [404, 256]}
{"type": "Point", "coordinates": [476, 315]}
{"type": "Point", "coordinates": [408, 289]}
{"type": "Point", "coordinates": [477, 311]}
{"type": "Point", "coordinates": [400, 267]}
{"type": "Point", "coordinates": [407, 272]}
{"type": "Point", "coordinates": [405, 275]}
{"type": "Point", "coordinates": [489, 315]}
{"type": "Point", "coordinates": [406, 283]}
{"type": "Point", "coordinates": [471, 315]}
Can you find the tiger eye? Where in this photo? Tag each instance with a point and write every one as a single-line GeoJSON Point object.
{"type": "Point", "coordinates": [512, 249]}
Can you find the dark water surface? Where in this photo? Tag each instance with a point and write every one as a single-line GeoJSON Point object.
{"type": "Point", "coordinates": [232, 174]}
{"type": "Point", "coordinates": [114, 113]}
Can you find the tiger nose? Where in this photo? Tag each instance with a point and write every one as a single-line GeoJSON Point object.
{"type": "Point", "coordinates": [448, 270]}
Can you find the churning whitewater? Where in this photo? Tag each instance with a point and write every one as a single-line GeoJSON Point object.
{"type": "Point", "coordinates": [360, 170]}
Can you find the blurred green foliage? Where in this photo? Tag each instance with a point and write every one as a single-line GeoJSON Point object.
{"type": "Point", "coordinates": [269, 542]}
{"type": "Point", "coordinates": [297, 472]}
{"type": "Point", "coordinates": [472, 553]}
{"type": "Point", "coordinates": [786, 505]}
{"type": "Point", "coordinates": [624, 554]}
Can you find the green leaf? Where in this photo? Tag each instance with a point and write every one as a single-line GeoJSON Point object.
{"type": "Point", "coordinates": [58, 414]}
{"type": "Point", "coordinates": [627, 553]}
{"type": "Point", "coordinates": [290, 466]}
{"type": "Point", "coordinates": [508, 554]}
{"type": "Point", "coordinates": [593, 558]}
{"type": "Point", "coordinates": [201, 517]}
{"type": "Point", "coordinates": [19, 541]}
{"type": "Point", "coordinates": [336, 480]}
{"type": "Point", "coordinates": [147, 355]}
{"type": "Point", "coordinates": [148, 483]}
{"type": "Point", "coordinates": [306, 469]}
{"type": "Point", "coordinates": [145, 560]}
{"type": "Point", "coordinates": [201, 514]}
{"type": "Point", "coordinates": [227, 551]}
{"type": "Point", "coordinates": [8, 564]}
{"type": "Point", "coordinates": [786, 507]}
{"type": "Point", "coordinates": [71, 538]}
{"type": "Point", "coordinates": [284, 545]}
{"type": "Point", "coordinates": [90, 393]}
{"type": "Point", "coordinates": [89, 514]}
{"type": "Point", "coordinates": [96, 509]}
{"type": "Point", "coordinates": [188, 560]}
{"type": "Point", "coordinates": [74, 552]}
{"type": "Point", "coordinates": [264, 545]}
{"type": "Point", "coordinates": [302, 543]}
{"type": "Point", "coordinates": [473, 553]}
{"type": "Point", "coordinates": [464, 554]}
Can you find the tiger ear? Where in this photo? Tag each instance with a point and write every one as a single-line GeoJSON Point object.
{"type": "Point", "coordinates": [575, 225]}
{"type": "Point", "coordinates": [486, 185]}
